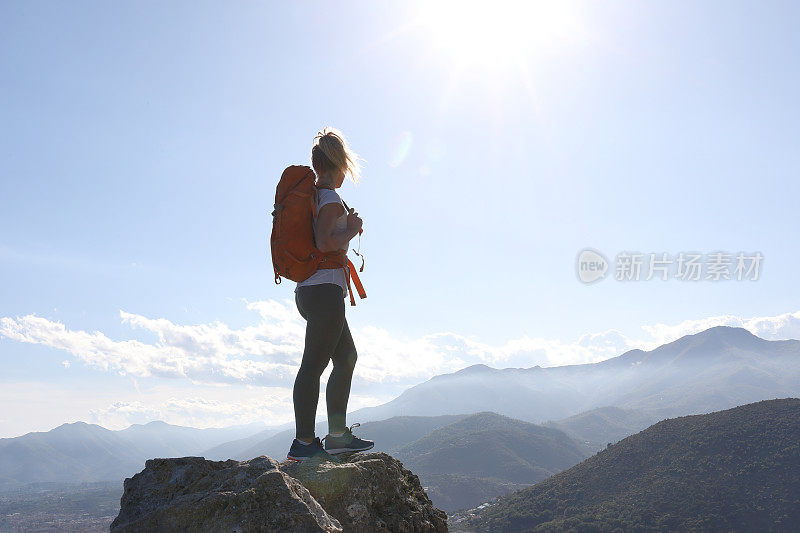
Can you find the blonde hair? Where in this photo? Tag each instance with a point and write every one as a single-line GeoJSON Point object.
{"type": "Point", "coordinates": [331, 152]}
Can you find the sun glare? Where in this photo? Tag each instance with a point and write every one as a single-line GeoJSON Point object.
{"type": "Point", "coordinates": [498, 33]}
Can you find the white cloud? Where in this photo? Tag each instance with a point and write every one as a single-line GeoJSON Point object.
{"type": "Point", "coordinates": [116, 404]}
{"type": "Point", "coordinates": [220, 408]}
{"type": "Point", "coordinates": [528, 351]}
{"type": "Point", "coordinates": [266, 355]}
{"type": "Point", "coordinates": [197, 411]}
{"type": "Point", "coordinates": [211, 375]}
{"type": "Point", "coordinates": [778, 327]}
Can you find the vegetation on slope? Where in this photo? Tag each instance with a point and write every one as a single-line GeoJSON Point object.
{"type": "Point", "coordinates": [485, 455]}
{"type": "Point", "coordinates": [733, 470]}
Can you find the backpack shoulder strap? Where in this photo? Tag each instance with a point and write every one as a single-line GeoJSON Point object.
{"type": "Point", "coordinates": [349, 268]}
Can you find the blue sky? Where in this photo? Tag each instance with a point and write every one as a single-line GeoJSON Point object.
{"type": "Point", "coordinates": [142, 142]}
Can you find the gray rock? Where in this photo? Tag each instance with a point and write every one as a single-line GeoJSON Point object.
{"type": "Point", "coordinates": [193, 494]}
{"type": "Point", "coordinates": [370, 492]}
{"type": "Point", "coordinates": [363, 493]}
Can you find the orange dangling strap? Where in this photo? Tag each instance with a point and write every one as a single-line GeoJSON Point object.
{"type": "Point", "coordinates": [351, 271]}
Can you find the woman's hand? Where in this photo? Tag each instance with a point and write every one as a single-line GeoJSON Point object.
{"type": "Point", "coordinates": [325, 237]}
{"type": "Point", "coordinates": [354, 222]}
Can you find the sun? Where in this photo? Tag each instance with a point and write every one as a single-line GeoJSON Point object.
{"type": "Point", "coordinates": [498, 33]}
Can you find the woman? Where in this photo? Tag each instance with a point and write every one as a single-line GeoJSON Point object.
{"type": "Point", "coordinates": [320, 300]}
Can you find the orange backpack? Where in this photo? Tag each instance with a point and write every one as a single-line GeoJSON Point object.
{"type": "Point", "coordinates": [295, 255]}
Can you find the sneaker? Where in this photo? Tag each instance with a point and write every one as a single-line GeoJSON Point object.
{"type": "Point", "coordinates": [347, 442]}
{"type": "Point", "coordinates": [301, 452]}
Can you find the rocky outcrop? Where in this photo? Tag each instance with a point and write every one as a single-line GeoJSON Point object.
{"type": "Point", "coordinates": [193, 494]}
{"type": "Point", "coordinates": [370, 492]}
{"type": "Point", "coordinates": [363, 493]}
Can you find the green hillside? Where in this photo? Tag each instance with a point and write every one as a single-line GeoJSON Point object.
{"type": "Point", "coordinates": [598, 427]}
{"type": "Point", "coordinates": [485, 455]}
{"type": "Point", "coordinates": [732, 470]}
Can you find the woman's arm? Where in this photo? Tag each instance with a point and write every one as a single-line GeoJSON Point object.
{"type": "Point", "coordinates": [326, 239]}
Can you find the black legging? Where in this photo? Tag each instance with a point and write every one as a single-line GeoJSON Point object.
{"type": "Point", "coordinates": [327, 337]}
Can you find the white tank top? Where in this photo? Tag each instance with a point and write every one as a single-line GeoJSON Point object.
{"type": "Point", "coordinates": [329, 275]}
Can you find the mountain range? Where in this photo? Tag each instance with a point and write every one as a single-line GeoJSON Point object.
{"type": "Point", "coordinates": [605, 425]}
{"type": "Point", "coordinates": [80, 452]}
{"type": "Point", "coordinates": [715, 369]}
{"type": "Point", "coordinates": [484, 455]}
{"type": "Point", "coordinates": [732, 470]}
{"type": "Point", "coordinates": [597, 403]}
{"type": "Point", "coordinates": [591, 405]}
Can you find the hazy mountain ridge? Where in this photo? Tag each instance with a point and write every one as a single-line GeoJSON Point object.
{"type": "Point", "coordinates": [715, 369]}
{"type": "Point", "coordinates": [161, 438]}
{"type": "Point", "coordinates": [75, 452]}
{"type": "Point", "coordinates": [737, 469]}
{"type": "Point", "coordinates": [234, 448]}
{"type": "Point", "coordinates": [80, 452]}
{"type": "Point", "coordinates": [484, 455]}
{"type": "Point", "coordinates": [604, 425]}
{"type": "Point", "coordinates": [491, 445]}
